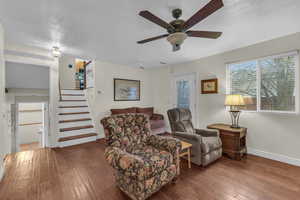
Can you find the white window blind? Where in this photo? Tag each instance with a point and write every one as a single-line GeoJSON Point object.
{"type": "Point", "coordinates": [268, 84]}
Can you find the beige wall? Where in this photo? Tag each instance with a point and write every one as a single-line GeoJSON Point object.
{"type": "Point", "coordinates": [66, 74]}
{"type": "Point", "coordinates": [270, 134]}
{"type": "Point", "coordinates": [101, 98]}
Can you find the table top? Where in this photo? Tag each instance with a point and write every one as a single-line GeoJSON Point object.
{"type": "Point", "coordinates": [226, 127]}
{"type": "Point", "coordinates": [185, 145]}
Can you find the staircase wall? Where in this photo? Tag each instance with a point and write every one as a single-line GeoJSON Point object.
{"type": "Point", "coordinates": [66, 74]}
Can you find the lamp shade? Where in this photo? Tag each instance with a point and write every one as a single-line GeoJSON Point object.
{"type": "Point", "coordinates": [234, 100]}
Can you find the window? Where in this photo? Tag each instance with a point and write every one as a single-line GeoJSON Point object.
{"type": "Point", "coordinates": [267, 84]}
{"type": "Point", "coordinates": [183, 94]}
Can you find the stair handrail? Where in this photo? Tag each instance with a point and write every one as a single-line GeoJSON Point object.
{"type": "Point", "coordinates": [60, 98]}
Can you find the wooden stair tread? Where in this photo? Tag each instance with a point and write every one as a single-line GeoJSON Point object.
{"type": "Point", "coordinates": [73, 106]}
{"type": "Point", "coordinates": [71, 89]}
{"type": "Point", "coordinates": [75, 128]}
{"type": "Point", "coordinates": [75, 120]}
{"type": "Point", "coordinates": [63, 139]}
{"type": "Point", "coordinates": [70, 100]}
{"type": "Point", "coordinates": [74, 113]}
{"type": "Point", "coordinates": [81, 95]}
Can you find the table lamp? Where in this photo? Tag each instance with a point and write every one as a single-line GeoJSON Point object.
{"type": "Point", "coordinates": [234, 101]}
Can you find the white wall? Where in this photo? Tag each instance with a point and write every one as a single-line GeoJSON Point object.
{"type": "Point", "coordinates": [66, 74]}
{"type": "Point", "coordinates": [29, 133]}
{"type": "Point", "coordinates": [3, 116]}
{"type": "Point", "coordinates": [273, 135]}
{"type": "Point", "coordinates": [101, 98]}
{"type": "Point", "coordinates": [20, 75]}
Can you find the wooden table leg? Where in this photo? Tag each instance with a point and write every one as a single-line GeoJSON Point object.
{"type": "Point", "coordinates": [178, 163]}
{"type": "Point", "coordinates": [189, 157]}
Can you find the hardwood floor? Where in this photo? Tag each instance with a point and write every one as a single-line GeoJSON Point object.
{"type": "Point", "coordinates": [30, 146]}
{"type": "Point", "coordinates": [80, 172]}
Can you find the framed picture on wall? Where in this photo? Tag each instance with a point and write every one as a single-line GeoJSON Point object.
{"type": "Point", "coordinates": [127, 90]}
{"type": "Point", "coordinates": [209, 86]}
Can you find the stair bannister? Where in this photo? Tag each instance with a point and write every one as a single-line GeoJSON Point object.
{"type": "Point", "coordinates": [59, 89]}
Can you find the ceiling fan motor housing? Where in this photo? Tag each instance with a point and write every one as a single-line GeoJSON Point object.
{"type": "Point", "coordinates": [177, 13]}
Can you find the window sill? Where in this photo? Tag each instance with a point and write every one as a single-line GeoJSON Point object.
{"type": "Point", "coordinates": [272, 112]}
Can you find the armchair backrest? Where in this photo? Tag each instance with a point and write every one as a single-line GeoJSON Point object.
{"type": "Point", "coordinates": [126, 130]}
{"type": "Point", "coordinates": [181, 120]}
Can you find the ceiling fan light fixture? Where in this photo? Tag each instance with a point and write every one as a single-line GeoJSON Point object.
{"type": "Point", "coordinates": [176, 39]}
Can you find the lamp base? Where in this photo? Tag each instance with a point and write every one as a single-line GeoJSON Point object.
{"type": "Point", "coordinates": [236, 127]}
{"type": "Point", "coordinates": [235, 115]}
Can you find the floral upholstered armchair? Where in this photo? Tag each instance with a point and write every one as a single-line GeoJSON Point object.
{"type": "Point", "coordinates": [143, 162]}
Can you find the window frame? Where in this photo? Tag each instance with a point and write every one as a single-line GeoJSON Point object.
{"type": "Point", "coordinates": [258, 82]}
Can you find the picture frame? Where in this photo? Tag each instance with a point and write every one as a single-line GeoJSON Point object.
{"type": "Point", "coordinates": [127, 90]}
{"type": "Point", "coordinates": [209, 86]}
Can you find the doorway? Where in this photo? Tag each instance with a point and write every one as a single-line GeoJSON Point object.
{"type": "Point", "coordinates": [31, 126]}
{"type": "Point", "coordinates": [81, 73]}
{"type": "Point", "coordinates": [184, 90]}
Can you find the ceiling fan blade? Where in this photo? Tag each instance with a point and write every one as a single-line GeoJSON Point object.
{"type": "Point", "coordinates": [204, 12]}
{"type": "Point", "coordinates": [151, 17]}
{"type": "Point", "coordinates": [153, 38]}
{"type": "Point", "coordinates": [204, 34]}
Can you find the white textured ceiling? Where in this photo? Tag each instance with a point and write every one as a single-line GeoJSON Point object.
{"type": "Point", "coordinates": [108, 29]}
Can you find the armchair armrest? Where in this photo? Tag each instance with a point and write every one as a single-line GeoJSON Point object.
{"type": "Point", "coordinates": [206, 133]}
{"type": "Point", "coordinates": [169, 144]}
{"type": "Point", "coordinates": [157, 117]}
{"type": "Point", "coordinates": [187, 136]}
{"type": "Point", "coordinates": [123, 161]}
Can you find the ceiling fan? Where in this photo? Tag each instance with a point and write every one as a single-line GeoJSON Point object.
{"type": "Point", "coordinates": [178, 29]}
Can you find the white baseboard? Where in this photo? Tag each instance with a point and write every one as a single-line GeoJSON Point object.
{"type": "Point", "coordinates": [273, 156]}
{"type": "Point", "coordinates": [1, 172]}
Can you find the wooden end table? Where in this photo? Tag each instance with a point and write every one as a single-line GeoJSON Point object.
{"type": "Point", "coordinates": [233, 140]}
{"type": "Point", "coordinates": [186, 151]}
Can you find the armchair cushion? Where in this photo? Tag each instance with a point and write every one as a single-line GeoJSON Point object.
{"type": "Point", "coordinates": [142, 163]}
{"type": "Point", "coordinates": [168, 144]}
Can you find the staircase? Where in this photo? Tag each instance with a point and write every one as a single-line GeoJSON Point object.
{"type": "Point", "coordinates": [75, 121]}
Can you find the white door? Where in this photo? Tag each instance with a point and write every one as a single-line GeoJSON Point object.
{"type": "Point", "coordinates": [184, 87]}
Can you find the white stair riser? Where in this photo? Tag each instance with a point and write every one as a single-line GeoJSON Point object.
{"type": "Point", "coordinates": [72, 92]}
{"type": "Point", "coordinates": [70, 117]}
{"type": "Point", "coordinates": [73, 103]}
{"type": "Point", "coordinates": [71, 110]}
{"type": "Point", "coordinates": [77, 141]}
{"type": "Point", "coordinates": [75, 124]}
{"type": "Point", "coordinates": [76, 132]}
{"type": "Point", "coordinates": [73, 97]}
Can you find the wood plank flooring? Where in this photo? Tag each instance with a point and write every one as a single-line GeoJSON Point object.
{"type": "Point", "coordinates": [81, 173]}
{"type": "Point", "coordinates": [30, 146]}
